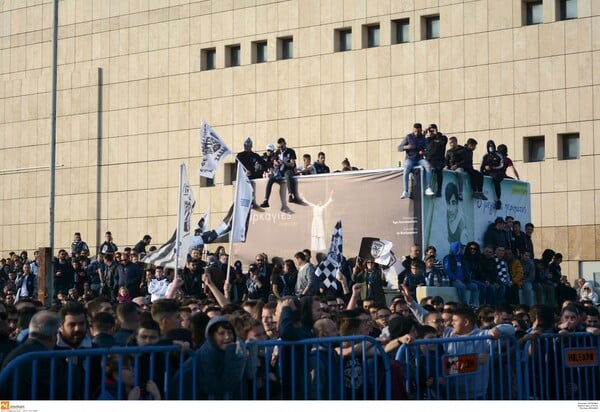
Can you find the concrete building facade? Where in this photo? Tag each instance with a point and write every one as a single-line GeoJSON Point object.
{"type": "Point", "coordinates": [346, 77]}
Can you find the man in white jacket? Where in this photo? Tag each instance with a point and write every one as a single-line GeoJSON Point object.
{"type": "Point", "coordinates": [159, 286]}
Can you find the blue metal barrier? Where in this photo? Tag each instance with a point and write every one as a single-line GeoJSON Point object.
{"type": "Point", "coordinates": [562, 366]}
{"type": "Point", "coordinates": [80, 374]}
{"type": "Point", "coordinates": [308, 369]}
{"type": "Point", "coordinates": [318, 371]}
{"type": "Point", "coordinates": [556, 366]}
{"type": "Point", "coordinates": [475, 367]}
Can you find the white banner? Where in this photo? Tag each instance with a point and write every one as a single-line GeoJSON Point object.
{"type": "Point", "coordinates": [184, 216]}
{"type": "Point", "coordinates": [242, 205]}
{"type": "Point", "coordinates": [214, 151]}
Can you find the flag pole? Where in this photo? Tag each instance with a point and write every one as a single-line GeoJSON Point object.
{"type": "Point", "coordinates": [231, 232]}
{"type": "Point", "coordinates": [179, 220]}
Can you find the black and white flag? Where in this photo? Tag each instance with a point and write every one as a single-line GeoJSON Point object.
{"type": "Point", "coordinates": [328, 268]}
{"type": "Point", "coordinates": [380, 250]}
{"type": "Point", "coordinates": [214, 151]}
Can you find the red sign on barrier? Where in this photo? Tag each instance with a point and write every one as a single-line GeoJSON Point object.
{"type": "Point", "coordinates": [581, 357]}
{"type": "Point", "coordinates": [460, 364]}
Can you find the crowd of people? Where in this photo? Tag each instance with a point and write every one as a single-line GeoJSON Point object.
{"type": "Point", "coordinates": [428, 150]}
{"type": "Point", "coordinates": [211, 305]}
{"type": "Point", "coordinates": [115, 299]}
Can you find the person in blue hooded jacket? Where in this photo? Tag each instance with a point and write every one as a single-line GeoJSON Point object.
{"type": "Point", "coordinates": [459, 278]}
{"type": "Point", "coordinates": [221, 363]}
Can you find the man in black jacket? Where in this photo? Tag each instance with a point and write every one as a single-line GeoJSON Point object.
{"type": "Point", "coordinates": [43, 329]}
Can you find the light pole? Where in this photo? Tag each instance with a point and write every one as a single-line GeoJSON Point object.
{"type": "Point", "coordinates": [50, 276]}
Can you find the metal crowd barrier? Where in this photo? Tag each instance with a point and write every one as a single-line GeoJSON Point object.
{"type": "Point", "coordinates": [308, 369]}
{"type": "Point", "coordinates": [462, 368]}
{"type": "Point", "coordinates": [563, 366]}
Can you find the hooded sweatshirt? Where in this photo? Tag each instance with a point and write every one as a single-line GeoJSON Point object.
{"type": "Point", "coordinates": [589, 293]}
{"type": "Point", "coordinates": [219, 372]}
{"type": "Point", "coordinates": [453, 262]}
{"type": "Point", "coordinates": [493, 159]}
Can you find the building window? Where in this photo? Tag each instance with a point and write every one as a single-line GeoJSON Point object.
{"type": "Point", "coordinates": [285, 48]}
{"type": "Point", "coordinates": [534, 12]}
{"type": "Point", "coordinates": [343, 40]}
{"type": "Point", "coordinates": [230, 174]}
{"type": "Point", "coordinates": [371, 32]}
{"type": "Point", "coordinates": [208, 59]}
{"type": "Point", "coordinates": [432, 27]}
{"type": "Point", "coordinates": [567, 9]}
{"type": "Point", "coordinates": [401, 31]}
{"type": "Point", "coordinates": [206, 182]}
{"type": "Point", "coordinates": [568, 146]}
{"type": "Point", "coordinates": [232, 54]}
{"type": "Point", "coordinates": [534, 149]}
{"type": "Point", "coordinates": [259, 52]}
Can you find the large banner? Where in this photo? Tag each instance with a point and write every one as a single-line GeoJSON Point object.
{"type": "Point", "coordinates": [368, 202]}
{"type": "Point", "coordinates": [447, 219]}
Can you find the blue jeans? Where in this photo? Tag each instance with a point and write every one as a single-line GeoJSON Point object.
{"type": "Point", "coordinates": [461, 289]}
{"type": "Point", "coordinates": [487, 294]}
{"type": "Point", "coordinates": [410, 164]}
{"type": "Point", "coordinates": [527, 290]}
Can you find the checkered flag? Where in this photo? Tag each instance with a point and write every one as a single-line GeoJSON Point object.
{"type": "Point", "coordinates": [329, 267]}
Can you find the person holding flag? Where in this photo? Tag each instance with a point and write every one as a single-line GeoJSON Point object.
{"type": "Point", "coordinates": [328, 271]}
{"type": "Point", "coordinates": [254, 166]}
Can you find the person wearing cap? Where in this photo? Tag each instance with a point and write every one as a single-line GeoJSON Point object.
{"type": "Point", "coordinates": [254, 164]}
{"type": "Point", "coordinates": [140, 246]}
{"type": "Point", "coordinates": [415, 145]}
{"type": "Point", "coordinates": [269, 157]}
{"type": "Point", "coordinates": [436, 154]}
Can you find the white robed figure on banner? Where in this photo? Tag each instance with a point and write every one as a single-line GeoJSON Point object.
{"type": "Point", "coordinates": [317, 227]}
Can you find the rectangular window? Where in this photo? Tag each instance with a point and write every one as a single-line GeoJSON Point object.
{"type": "Point", "coordinates": [567, 9]}
{"type": "Point", "coordinates": [401, 31]}
{"type": "Point", "coordinates": [343, 40]}
{"type": "Point", "coordinates": [230, 174]}
{"type": "Point", "coordinates": [534, 12]}
{"type": "Point", "coordinates": [534, 149]}
{"type": "Point", "coordinates": [568, 146]}
{"type": "Point", "coordinates": [432, 27]}
{"type": "Point", "coordinates": [259, 52]}
{"type": "Point", "coordinates": [285, 48]}
{"type": "Point", "coordinates": [373, 35]}
{"type": "Point", "coordinates": [208, 59]}
{"type": "Point", "coordinates": [232, 55]}
{"type": "Point", "coordinates": [206, 182]}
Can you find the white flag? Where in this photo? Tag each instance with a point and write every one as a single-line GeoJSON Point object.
{"type": "Point", "coordinates": [242, 205]}
{"type": "Point", "coordinates": [184, 216]}
{"type": "Point", "coordinates": [214, 151]}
